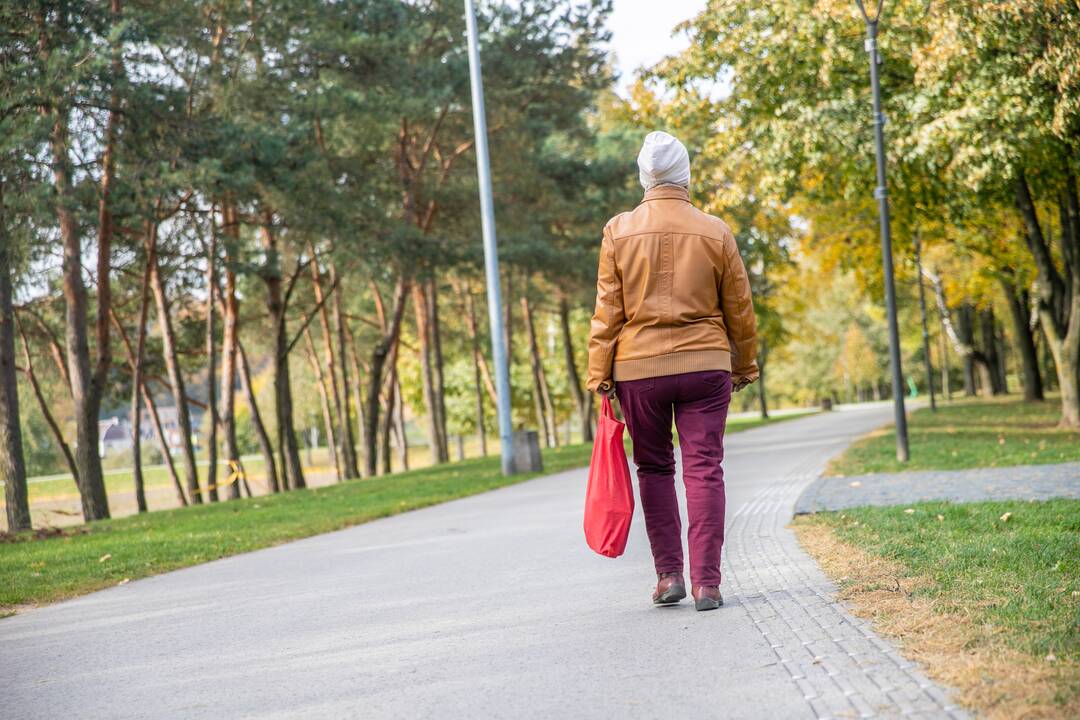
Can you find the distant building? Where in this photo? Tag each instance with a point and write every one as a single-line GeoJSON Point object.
{"type": "Point", "coordinates": [170, 425]}
{"type": "Point", "coordinates": [114, 435]}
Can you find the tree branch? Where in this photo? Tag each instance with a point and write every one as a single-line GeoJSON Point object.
{"type": "Point", "coordinates": [311, 316]}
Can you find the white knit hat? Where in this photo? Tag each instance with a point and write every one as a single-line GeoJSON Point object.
{"type": "Point", "coordinates": [663, 160]}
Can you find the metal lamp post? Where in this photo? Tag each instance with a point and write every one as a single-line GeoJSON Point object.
{"type": "Point", "coordinates": [881, 194]}
{"type": "Point", "coordinates": [491, 253]}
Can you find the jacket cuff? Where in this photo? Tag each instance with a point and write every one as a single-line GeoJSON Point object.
{"type": "Point", "coordinates": [747, 376]}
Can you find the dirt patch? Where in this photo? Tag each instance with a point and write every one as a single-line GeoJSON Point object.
{"type": "Point", "coordinates": [995, 680]}
{"type": "Point", "coordinates": [7, 611]}
{"type": "Point", "coordinates": [43, 533]}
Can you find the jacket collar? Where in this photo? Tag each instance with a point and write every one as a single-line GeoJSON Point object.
{"type": "Point", "coordinates": [667, 192]}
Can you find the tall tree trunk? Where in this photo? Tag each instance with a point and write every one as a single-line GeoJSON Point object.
{"type": "Point", "coordinates": [470, 323]}
{"type": "Point", "coordinates": [922, 322]}
{"type": "Point", "coordinates": [508, 319]}
{"type": "Point", "coordinates": [276, 305]}
{"type": "Point", "coordinates": [84, 390]}
{"type": "Point", "coordinates": [345, 432]}
{"type": "Point", "coordinates": [582, 399]}
{"type": "Point", "coordinates": [288, 445]}
{"type": "Point", "coordinates": [965, 331]}
{"type": "Point", "coordinates": [211, 364]}
{"type": "Point", "coordinates": [1019, 303]}
{"type": "Point", "coordinates": [541, 393]}
{"type": "Point", "coordinates": [990, 371]}
{"type": "Point", "coordinates": [324, 402]}
{"type": "Point", "coordinates": [763, 356]}
{"type": "Point", "coordinates": [427, 374]}
{"type": "Point", "coordinates": [401, 439]}
{"type": "Point", "coordinates": [136, 391]}
{"type": "Point", "coordinates": [12, 460]}
{"type": "Point", "coordinates": [358, 399]}
{"type": "Point", "coordinates": [1065, 349]}
{"type": "Point", "coordinates": [388, 399]}
{"type": "Point", "coordinates": [431, 292]}
{"type": "Point", "coordinates": [946, 383]}
{"type": "Point", "coordinates": [1003, 365]}
{"type": "Point", "coordinates": [143, 387]}
{"type": "Point", "coordinates": [176, 379]}
{"type": "Point", "coordinates": [265, 447]}
{"type": "Point", "coordinates": [1059, 295]}
{"type": "Point", "coordinates": [386, 427]}
{"type": "Point", "coordinates": [472, 327]}
{"type": "Point", "coordinates": [391, 328]}
{"type": "Point", "coordinates": [230, 320]}
{"type": "Point", "coordinates": [345, 460]}
{"type": "Point", "coordinates": [962, 333]}
{"type": "Point", "coordinates": [163, 444]}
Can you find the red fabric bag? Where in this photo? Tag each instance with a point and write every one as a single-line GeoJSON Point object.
{"type": "Point", "coordinates": [609, 499]}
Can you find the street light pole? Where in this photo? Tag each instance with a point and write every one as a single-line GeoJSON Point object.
{"type": "Point", "coordinates": [881, 194]}
{"type": "Point", "coordinates": [491, 253]}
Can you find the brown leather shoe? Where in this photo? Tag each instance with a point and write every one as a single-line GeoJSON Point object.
{"type": "Point", "coordinates": [670, 589]}
{"type": "Point", "coordinates": [707, 597]}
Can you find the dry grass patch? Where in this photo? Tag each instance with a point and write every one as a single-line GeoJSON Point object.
{"type": "Point", "coordinates": [949, 638]}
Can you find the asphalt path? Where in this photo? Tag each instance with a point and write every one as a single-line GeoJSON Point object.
{"type": "Point", "coordinates": [490, 606]}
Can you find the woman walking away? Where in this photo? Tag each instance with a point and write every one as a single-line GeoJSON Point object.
{"type": "Point", "coordinates": [673, 333]}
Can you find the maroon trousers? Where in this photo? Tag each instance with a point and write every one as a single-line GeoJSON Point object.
{"type": "Point", "coordinates": [699, 402]}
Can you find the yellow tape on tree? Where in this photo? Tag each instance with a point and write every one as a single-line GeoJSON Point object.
{"type": "Point", "coordinates": [237, 474]}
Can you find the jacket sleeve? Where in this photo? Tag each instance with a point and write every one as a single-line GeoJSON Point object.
{"type": "Point", "coordinates": [608, 318]}
{"type": "Point", "coordinates": [737, 304]}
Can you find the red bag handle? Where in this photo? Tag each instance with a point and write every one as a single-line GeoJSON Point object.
{"type": "Point", "coordinates": [605, 407]}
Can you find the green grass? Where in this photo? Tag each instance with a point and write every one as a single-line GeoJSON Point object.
{"type": "Point", "coordinates": [37, 570]}
{"type": "Point", "coordinates": [969, 434]}
{"type": "Point", "coordinates": [105, 553]}
{"type": "Point", "coordinates": [1017, 578]}
{"type": "Point", "coordinates": [121, 480]}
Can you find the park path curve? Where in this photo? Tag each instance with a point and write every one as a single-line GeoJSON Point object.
{"type": "Point", "coordinates": [490, 606]}
{"type": "Point", "coordinates": [1021, 482]}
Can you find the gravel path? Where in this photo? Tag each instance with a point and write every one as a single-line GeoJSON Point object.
{"type": "Point", "coordinates": [487, 607]}
{"type": "Point", "coordinates": [1026, 482]}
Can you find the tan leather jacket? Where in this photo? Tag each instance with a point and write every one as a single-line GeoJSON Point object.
{"type": "Point", "coordinates": [672, 296]}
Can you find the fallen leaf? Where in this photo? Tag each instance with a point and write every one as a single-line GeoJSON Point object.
{"type": "Point", "coordinates": [1001, 440]}
{"type": "Point", "coordinates": [855, 484]}
{"type": "Point", "coordinates": [1051, 658]}
{"type": "Point", "coordinates": [910, 511]}
{"type": "Point", "coordinates": [940, 518]}
{"type": "Point", "coordinates": [104, 557]}
{"type": "Point", "coordinates": [125, 581]}
{"type": "Point", "coordinates": [1005, 517]}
